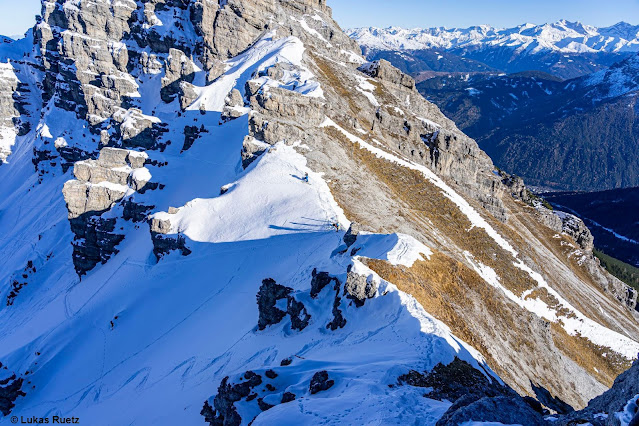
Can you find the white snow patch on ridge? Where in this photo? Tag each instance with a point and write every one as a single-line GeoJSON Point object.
{"type": "Point", "coordinates": [261, 204]}
{"type": "Point", "coordinates": [397, 249]}
{"type": "Point", "coordinates": [263, 54]}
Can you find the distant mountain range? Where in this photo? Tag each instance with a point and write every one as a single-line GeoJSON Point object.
{"type": "Point", "coordinates": [577, 135]}
{"type": "Point", "coordinates": [565, 49]}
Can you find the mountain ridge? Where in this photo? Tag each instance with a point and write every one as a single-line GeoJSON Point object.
{"type": "Point", "coordinates": [220, 211]}
{"type": "Point", "coordinates": [566, 50]}
{"type": "Point", "coordinates": [562, 36]}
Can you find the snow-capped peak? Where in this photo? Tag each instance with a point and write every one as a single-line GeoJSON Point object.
{"type": "Point", "coordinates": [562, 36]}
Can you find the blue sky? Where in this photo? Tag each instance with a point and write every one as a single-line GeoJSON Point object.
{"type": "Point", "coordinates": [465, 13]}
{"type": "Point", "coordinates": [19, 14]}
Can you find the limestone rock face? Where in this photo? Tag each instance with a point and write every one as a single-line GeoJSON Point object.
{"type": "Point", "coordinates": [383, 70]}
{"type": "Point", "coordinates": [578, 230]}
{"type": "Point", "coordinates": [624, 390]}
{"type": "Point", "coordinates": [9, 114]}
{"type": "Point", "coordinates": [359, 288]}
{"type": "Point", "coordinates": [179, 69]}
{"type": "Point", "coordinates": [101, 184]}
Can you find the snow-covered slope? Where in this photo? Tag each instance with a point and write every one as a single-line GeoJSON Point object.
{"type": "Point", "coordinates": [561, 36]}
{"type": "Point", "coordinates": [192, 231]}
{"type": "Point", "coordinates": [621, 79]}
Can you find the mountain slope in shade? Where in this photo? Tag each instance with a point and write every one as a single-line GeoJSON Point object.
{"type": "Point", "coordinates": [606, 214]}
{"type": "Point", "coordinates": [220, 212]}
{"type": "Point", "coordinates": [564, 49]}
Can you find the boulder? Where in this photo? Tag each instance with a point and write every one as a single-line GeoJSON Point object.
{"type": "Point", "coordinates": [383, 70]}
{"type": "Point", "coordinates": [10, 390]}
{"type": "Point", "coordinates": [320, 382]}
{"type": "Point", "coordinates": [358, 288]}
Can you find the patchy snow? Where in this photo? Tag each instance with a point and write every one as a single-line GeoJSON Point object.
{"type": "Point", "coordinates": [310, 30]}
{"type": "Point", "coordinates": [367, 89]}
{"type": "Point", "coordinates": [265, 53]}
{"type": "Point", "coordinates": [397, 249]}
{"type": "Point", "coordinates": [577, 325]}
{"type": "Point", "coordinates": [141, 175]}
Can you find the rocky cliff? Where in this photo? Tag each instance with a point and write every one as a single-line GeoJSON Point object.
{"type": "Point", "coordinates": [188, 159]}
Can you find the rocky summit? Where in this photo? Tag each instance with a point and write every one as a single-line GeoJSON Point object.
{"type": "Point", "coordinates": [219, 212]}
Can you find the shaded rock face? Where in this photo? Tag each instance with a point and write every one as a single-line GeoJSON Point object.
{"type": "Point", "coordinates": [191, 134]}
{"type": "Point", "coordinates": [552, 402]}
{"type": "Point", "coordinates": [269, 314]}
{"type": "Point", "coordinates": [100, 185]}
{"type": "Point", "coordinates": [319, 281]}
{"type": "Point", "coordinates": [613, 401]}
{"type": "Point", "coordinates": [351, 235]}
{"type": "Point", "coordinates": [95, 241]}
{"type": "Point", "coordinates": [20, 280]}
{"type": "Point", "coordinates": [10, 390]}
{"type": "Point", "coordinates": [474, 396]}
{"type": "Point", "coordinates": [164, 242]}
{"type": "Point", "coordinates": [451, 382]}
{"type": "Point", "coordinates": [499, 409]}
{"type": "Point", "coordinates": [228, 394]}
{"type": "Point", "coordinates": [320, 382]}
{"type": "Point", "coordinates": [338, 320]}
{"type": "Point", "coordinates": [245, 394]}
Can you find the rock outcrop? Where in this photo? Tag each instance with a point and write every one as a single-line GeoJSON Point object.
{"type": "Point", "coordinates": [9, 113]}
{"type": "Point", "coordinates": [99, 185]}
{"type": "Point", "coordinates": [10, 390]}
{"type": "Point", "coordinates": [475, 396]}
{"type": "Point", "coordinates": [604, 409]}
{"type": "Point", "coordinates": [228, 394]}
{"type": "Point", "coordinates": [163, 241]}
{"type": "Point", "coordinates": [320, 382]}
{"type": "Point", "coordinates": [267, 299]}
{"type": "Point", "coordinates": [359, 288]}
